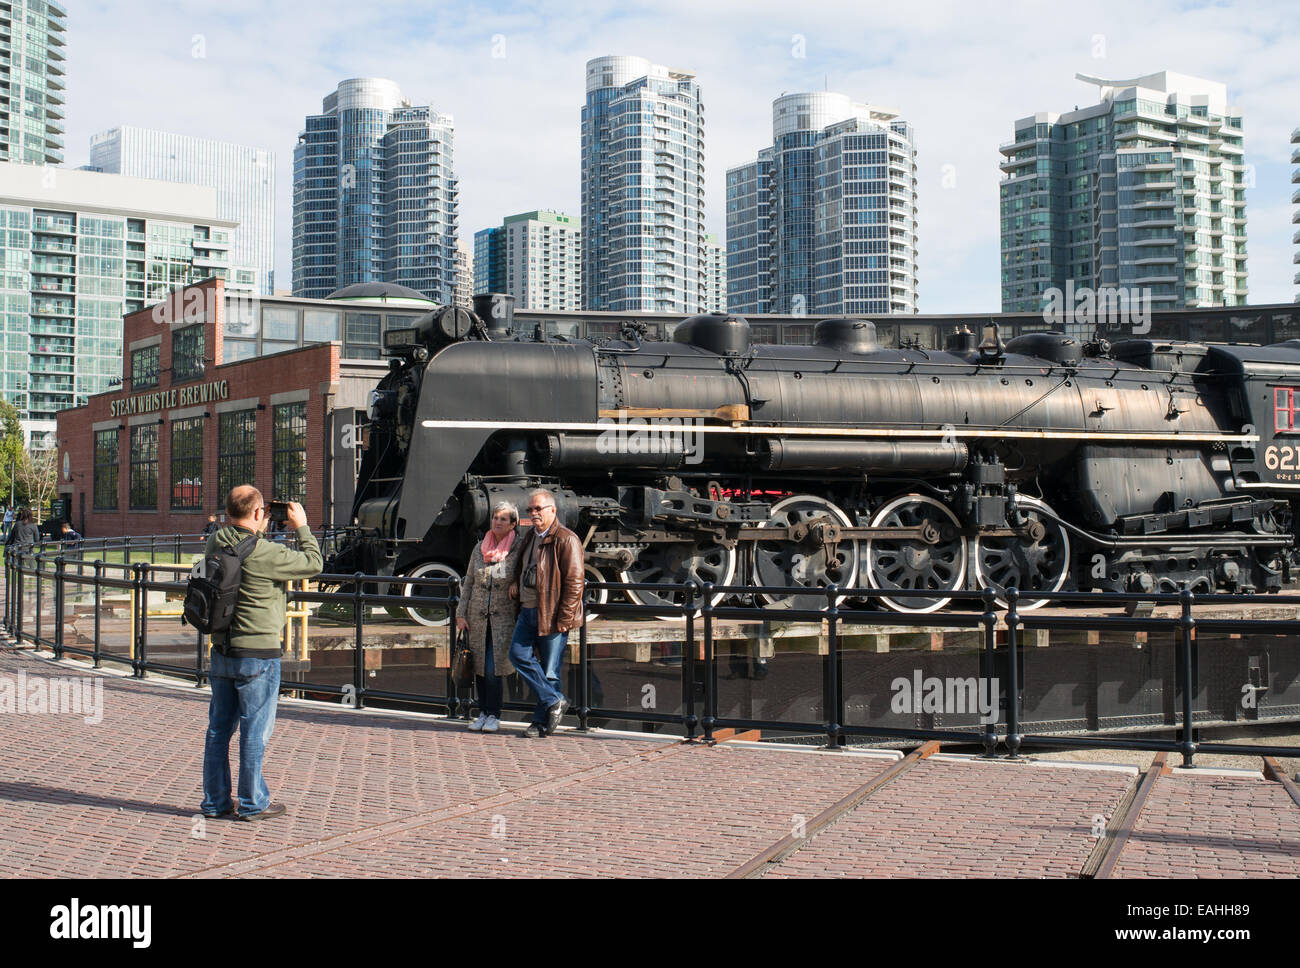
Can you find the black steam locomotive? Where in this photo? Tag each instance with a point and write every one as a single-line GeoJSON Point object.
{"type": "Point", "coordinates": [1041, 463]}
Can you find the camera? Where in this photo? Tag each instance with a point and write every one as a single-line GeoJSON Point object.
{"type": "Point", "coordinates": [278, 511]}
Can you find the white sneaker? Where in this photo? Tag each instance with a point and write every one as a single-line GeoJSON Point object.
{"type": "Point", "coordinates": [477, 725]}
{"type": "Point", "coordinates": [491, 725]}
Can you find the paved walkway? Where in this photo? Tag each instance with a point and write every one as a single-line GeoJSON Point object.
{"type": "Point", "coordinates": [372, 793]}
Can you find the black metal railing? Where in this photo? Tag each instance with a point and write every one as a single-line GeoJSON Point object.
{"type": "Point", "coordinates": [35, 577]}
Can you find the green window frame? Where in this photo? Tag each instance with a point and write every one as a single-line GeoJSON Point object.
{"type": "Point", "coordinates": [187, 464]}
{"type": "Point", "coordinates": [106, 470]}
{"type": "Point", "coordinates": [144, 467]}
{"type": "Point", "coordinates": [236, 449]}
{"type": "Point", "coordinates": [289, 452]}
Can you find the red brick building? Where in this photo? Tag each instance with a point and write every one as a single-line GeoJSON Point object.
{"type": "Point", "coordinates": [159, 454]}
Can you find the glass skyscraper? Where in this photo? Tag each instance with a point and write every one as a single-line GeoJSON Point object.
{"type": "Point", "coordinates": [32, 81]}
{"type": "Point", "coordinates": [1143, 192]}
{"type": "Point", "coordinates": [824, 221]}
{"type": "Point", "coordinates": [243, 177]}
{"type": "Point", "coordinates": [642, 188]}
{"type": "Point", "coordinates": [76, 254]}
{"type": "Point", "coordinates": [375, 197]}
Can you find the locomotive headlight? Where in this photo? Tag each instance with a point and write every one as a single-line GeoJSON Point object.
{"type": "Point", "coordinates": [383, 404]}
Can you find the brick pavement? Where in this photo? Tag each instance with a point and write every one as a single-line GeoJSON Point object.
{"type": "Point", "coordinates": [1214, 827]}
{"type": "Point", "coordinates": [378, 794]}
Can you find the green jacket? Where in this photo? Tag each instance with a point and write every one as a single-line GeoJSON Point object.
{"type": "Point", "coordinates": [259, 612]}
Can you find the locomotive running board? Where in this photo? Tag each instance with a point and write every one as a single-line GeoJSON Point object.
{"type": "Point", "coordinates": [941, 433]}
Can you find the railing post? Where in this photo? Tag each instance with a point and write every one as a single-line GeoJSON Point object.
{"type": "Point", "coordinates": [358, 657]}
{"type": "Point", "coordinates": [99, 577]}
{"type": "Point", "coordinates": [691, 721]}
{"type": "Point", "coordinates": [39, 564]}
{"type": "Point", "coordinates": [584, 672]}
{"type": "Point", "coordinates": [142, 647]}
{"type": "Point", "coordinates": [153, 548]}
{"type": "Point", "coordinates": [1186, 627]}
{"type": "Point", "coordinates": [990, 619]}
{"type": "Point", "coordinates": [9, 584]}
{"type": "Point", "coordinates": [18, 606]}
{"type": "Point", "coordinates": [832, 695]}
{"type": "Point", "coordinates": [59, 592]}
{"type": "Point", "coordinates": [710, 665]}
{"type": "Point", "coordinates": [1013, 673]}
{"type": "Point", "coordinates": [177, 557]}
{"type": "Point", "coordinates": [453, 689]}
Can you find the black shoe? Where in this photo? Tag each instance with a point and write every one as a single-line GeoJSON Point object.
{"type": "Point", "coordinates": [228, 812]}
{"type": "Point", "coordinates": [533, 732]}
{"type": "Point", "coordinates": [554, 714]}
{"type": "Point", "coordinates": [274, 810]}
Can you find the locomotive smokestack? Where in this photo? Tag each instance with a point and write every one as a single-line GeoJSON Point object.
{"type": "Point", "coordinates": [497, 310]}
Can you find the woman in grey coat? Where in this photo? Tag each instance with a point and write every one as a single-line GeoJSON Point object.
{"type": "Point", "coordinates": [489, 613]}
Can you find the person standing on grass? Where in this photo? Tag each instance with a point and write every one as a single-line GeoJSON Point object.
{"type": "Point", "coordinates": [245, 660]}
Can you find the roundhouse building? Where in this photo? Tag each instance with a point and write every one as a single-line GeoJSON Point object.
{"type": "Point", "coordinates": [220, 388]}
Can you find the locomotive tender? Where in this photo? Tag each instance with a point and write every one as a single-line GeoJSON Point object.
{"type": "Point", "coordinates": [1041, 464]}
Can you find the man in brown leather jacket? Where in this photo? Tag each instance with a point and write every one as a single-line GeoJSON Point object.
{"type": "Point", "coordinates": [548, 582]}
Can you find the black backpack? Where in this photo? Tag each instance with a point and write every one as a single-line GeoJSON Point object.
{"type": "Point", "coordinates": [214, 587]}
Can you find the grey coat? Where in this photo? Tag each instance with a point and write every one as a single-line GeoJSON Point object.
{"type": "Point", "coordinates": [486, 591]}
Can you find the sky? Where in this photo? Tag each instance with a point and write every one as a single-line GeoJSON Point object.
{"type": "Point", "coordinates": [512, 76]}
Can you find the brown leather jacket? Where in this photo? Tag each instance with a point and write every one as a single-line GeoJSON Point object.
{"type": "Point", "coordinates": [559, 578]}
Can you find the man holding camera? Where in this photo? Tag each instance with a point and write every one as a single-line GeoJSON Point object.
{"type": "Point", "coordinates": [548, 582]}
{"type": "Point", "coordinates": [245, 660]}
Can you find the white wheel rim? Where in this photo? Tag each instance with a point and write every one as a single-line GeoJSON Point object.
{"type": "Point", "coordinates": [592, 573]}
{"type": "Point", "coordinates": [639, 599]}
{"type": "Point", "coordinates": [909, 604]}
{"type": "Point", "coordinates": [1025, 603]}
{"type": "Point", "coordinates": [430, 569]}
{"type": "Point", "coordinates": [782, 507]}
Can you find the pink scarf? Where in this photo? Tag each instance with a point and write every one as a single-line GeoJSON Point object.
{"type": "Point", "coordinates": [493, 550]}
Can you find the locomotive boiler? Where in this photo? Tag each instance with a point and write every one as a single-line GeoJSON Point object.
{"type": "Point", "coordinates": [1040, 464]}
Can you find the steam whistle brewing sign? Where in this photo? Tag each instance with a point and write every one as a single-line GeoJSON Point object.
{"type": "Point", "coordinates": [166, 399]}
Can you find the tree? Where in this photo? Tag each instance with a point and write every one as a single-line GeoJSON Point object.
{"type": "Point", "coordinates": [12, 453]}
{"type": "Point", "coordinates": [38, 477]}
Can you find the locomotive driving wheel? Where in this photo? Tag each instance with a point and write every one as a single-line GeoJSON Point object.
{"type": "Point", "coordinates": [434, 614]}
{"type": "Point", "coordinates": [935, 563]}
{"type": "Point", "coordinates": [596, 596]}
{"type": "Point", "coordinates": [675, 563]}
{"type": "Point", "coordinates": [1037, 561]}
{"type": "Point", "coordinates": [814, 554]}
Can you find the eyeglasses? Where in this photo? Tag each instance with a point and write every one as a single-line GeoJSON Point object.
{"type": "Point", "coordinates": [538, 509]}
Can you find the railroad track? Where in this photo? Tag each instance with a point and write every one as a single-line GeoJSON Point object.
{"type": "Point", "coordinates": [1100, 864]}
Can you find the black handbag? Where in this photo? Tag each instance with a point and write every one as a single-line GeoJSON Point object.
{"type": "Point", "coordinates": [462, 663]}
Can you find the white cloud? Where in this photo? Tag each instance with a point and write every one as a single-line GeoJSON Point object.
{"type": "Point", "coordinates": [961, 72]}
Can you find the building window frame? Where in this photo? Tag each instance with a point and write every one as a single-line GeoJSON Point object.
{"type": "Point", "coordinates": [289, 452]}
{"type": "Point", "coordinates": [186, 491]}
{"type": "Point", "coordinates": [236, 449]}
{"type": "Point", "coordinates": [188, 348]}
{"type": "Point", "coordinates": [107, 466]}
{"type": "Point", "coordinates": [144, 367]}
{"type": "Point", "coordinates": [143, 463]}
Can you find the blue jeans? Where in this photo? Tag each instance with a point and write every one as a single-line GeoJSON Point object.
{"type": "Point", "coordinates": [244, 694]}
{"type": "Point", "coordinates": [543, 676]}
